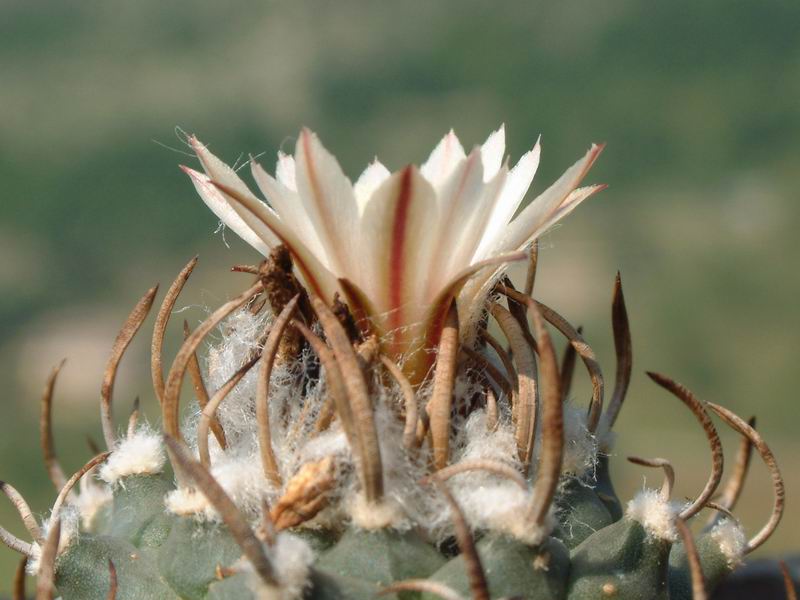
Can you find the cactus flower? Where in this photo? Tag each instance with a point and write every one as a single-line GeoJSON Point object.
{"type": "Point", "coordinates": [399, 246]}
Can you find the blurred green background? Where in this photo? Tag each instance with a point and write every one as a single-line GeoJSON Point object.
{"type": "Point", "coordinates": [699, 103]}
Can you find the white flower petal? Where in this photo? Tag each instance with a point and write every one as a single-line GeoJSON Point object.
{"type": "Point", "coordinates": [290, 209]}
{"type": "Point", "coordinates": [492, 153]}
{"type": "Point", "coordinates": [285, 171]}
{"type": "Point", "coordinates": [444, 158]}
{"type": "Point", "coordinates": [568, 205]}
{"type": "Point", "coordinates": [475, 218]}
{"type": "Point", "coordinates": [219, 205]}
{"type": "Point", "coordinates": [261, 217]}
{"type": "Point", "coordinates": [218, 170]}
{"type": "Point", "coordinates": [394, 233]}
{"type": "Point", "coordinates": [457, 197]}
{"type": "Point", "coordinates": [329, 201]}
{"type": "Point", "coordinates": [369, 181]}
{"type": "Point", "coordinates": [542, 208]}
{"type": "Point", "coordinates": [516, 186]}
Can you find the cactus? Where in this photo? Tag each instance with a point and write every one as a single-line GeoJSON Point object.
{"type": "Point", "coordinates": [351, 453]}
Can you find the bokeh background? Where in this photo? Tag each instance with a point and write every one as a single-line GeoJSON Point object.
{"type": "Point", "coordinates": [699, 103]}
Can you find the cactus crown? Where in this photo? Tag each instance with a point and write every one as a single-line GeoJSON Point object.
{"type": "Point", "coordinates": [315, 463]}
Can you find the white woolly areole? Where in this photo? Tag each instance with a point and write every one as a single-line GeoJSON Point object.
{"type": "Point", "coordinates": [731, 539]}
{"type": "Point", "coordinates": [91, 499]}
{"type": "Point", "coordinates": [187, 502]}
{"type": "Point", "coordinates": [656, 515]}
{"type": "Point", "coordinates": [140, 454]}
{"type": "Point", "coordinates": [242, 479]}
{"type": "Point", "coordinates": [491, 501]}
{"type": "Point", "coordinates": [374, 515]}
{"type": "Point", "coordinates": [291, 560]}
{"type": "Point", "coordinates": [70, 530]}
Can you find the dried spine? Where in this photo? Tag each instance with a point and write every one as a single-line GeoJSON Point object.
{"type": "Point", "coordinates": [124, 338]}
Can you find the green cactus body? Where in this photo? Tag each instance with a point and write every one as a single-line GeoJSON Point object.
{"type": "Point", "coordinates": [581, 512]}
{"type": "Point", "coordinates": [381, 556]}
{"type": "Point", "coordinates": [620, 561]}
{"type": "Point", "coordinates": [82, 571]}
{"type": "Point", "coordinates": [189, 557]}
{"type": "Point", "coordinates": [715, 564]}
{"type": "Point", "coordinates": [513, 569]}
{"type": "Point", "coordinates": [138, 512]}
{"type": "Point", "coordinates": [604, 487]}
{"type": "Point", "coordinates": [324, 585]}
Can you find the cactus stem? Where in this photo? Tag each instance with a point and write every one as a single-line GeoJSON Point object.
{"type": "Point", "coordinates": [409, 401]}
{"type": "Point", "coordinates": [160, 328]}
{"type": "Point", "coordinates": [669, 473]}
{"type": "Point", "coordinates": [421, 585]}
{"type": "Point", "coordinates": [124, 338]}
{"type": "Point", "coordinates": [440, 404]}
{"type": "Point", "coordinates": [581, 347]}
{"type": "Point", "coordinates": [552, 451]}
{"type": "Point", "coordinates": [172, 388]}
{"type": "Point", "coordinates": [112, 581]}
{"type": "Point", "coordinates": [200, 391]}
{"type": "Point", "coordinates": [231, 516]}
{"type": "Point", "coordinates": [525, 430]}
{"type": "Point", "coordinates": [533, 263]}
{"type": "Point", "coordinates": [51, 463]}
{"type": "Point", "coordinates": [466, 543]}
{"type": "Point", "coordinates": [210, 409]}
{"type": "Point", "coordinates": [735, 483]}
{"type": "Point", "coordinates": [45, 584]}
{"type": "Point", "coordinates": [18, 587]}
{"type": "Point", "coordinates": [76, 477]}
{"type": "Point", "coordinates": [624, 351]}
{"type": "Point", "coordinates": [23, 510]}
{"type": "Point", "coordinates": [717, 457]}
{"type": "Point", "coordinates": [698, 580]}
{"type": "Point", "coordinates": [366, 435]}
{"type": "Point", "coordinates": [764, 451]}
{"type": "Point", "coordinates": [788, 582]}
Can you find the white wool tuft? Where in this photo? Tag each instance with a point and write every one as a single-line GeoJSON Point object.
{"type": "Point", "coordinates": [291, 559]}
{"type": "Point", "coordinates": [140, 454]}
{"type": "Point", "coordinates": [70, 530]}
{"type": "Point", "coordinates": [375, 515]}
{"type": "Point", "coordinates": [481, 444]}
{"type": "Point", "coordinates": [655, 514]}
{"type": "Point", "coordinates": [499, 506]}
{"type": "Point", "coordinates": [580, 446]}
{"type": "Point", "coordinates": [490, 501]}
{"type": "Point", "coordinates": [731, 539]}
{"type": "Point", "coordinates": [242, 479]}
{"type": "Point", "coordinates": [91, 499]}
{"type": "Point", "coordinates": [187, 502]}
{"type": "Point", "coordinates": [402, 471]}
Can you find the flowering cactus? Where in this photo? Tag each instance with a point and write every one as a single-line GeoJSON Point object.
{"type": "Point", "coordinates": [367, 435]}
